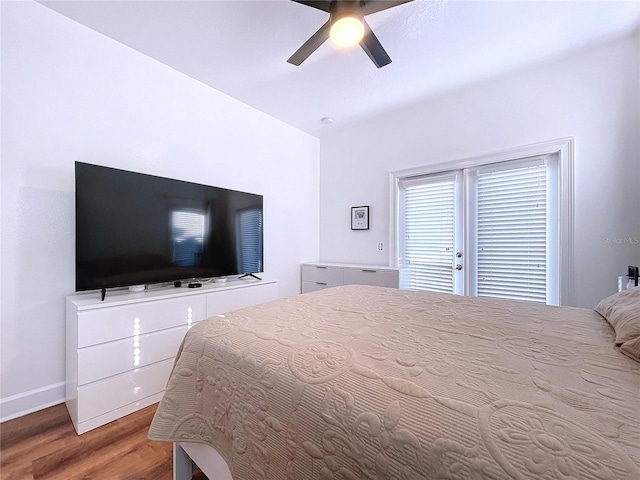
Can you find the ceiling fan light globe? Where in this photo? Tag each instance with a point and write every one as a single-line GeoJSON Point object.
{"type": "Point", "coordinates": [347, 31]}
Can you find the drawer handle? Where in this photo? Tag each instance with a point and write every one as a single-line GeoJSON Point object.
{"type": "Point", "coordinates": [369, 271]}
{"type": "Point", "coordinates": [320, 283]}
{"type": "Point", "coordinates": [321, 267]}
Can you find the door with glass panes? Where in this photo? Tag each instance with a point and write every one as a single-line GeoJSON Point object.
{"type": "Point", "coordinates": [489, 230]}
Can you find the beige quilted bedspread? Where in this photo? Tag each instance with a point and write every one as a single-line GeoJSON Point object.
{"type": "Point", "coordinates": [361, 382]}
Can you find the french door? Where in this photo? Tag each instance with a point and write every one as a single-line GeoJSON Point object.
{"type": "Point", "coordinates": [430, 227]}
{"type": "Point", "coordinates": [487, 230]}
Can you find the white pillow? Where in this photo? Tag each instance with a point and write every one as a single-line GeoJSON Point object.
{"type": "Point", "coordinates": [622, 311]}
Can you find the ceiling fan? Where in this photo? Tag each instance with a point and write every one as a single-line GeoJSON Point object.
{"type": "Point", "coordinates": [346, 27]}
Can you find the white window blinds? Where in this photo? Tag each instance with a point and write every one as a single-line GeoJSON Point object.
{"type": "Point", "coordinates": [512, 231]}
{"type": "Point", "coordinates": [429, 210]}
{"type": "Point", "coordinates": [512, 225]}
{"type": "Point", "coordinates": [250, 238]}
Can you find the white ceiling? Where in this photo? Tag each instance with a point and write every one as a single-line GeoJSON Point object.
{"type": "Point", "coordinates": [240, 47]}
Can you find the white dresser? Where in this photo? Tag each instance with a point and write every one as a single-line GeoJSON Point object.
{"type": "Point", "coordinates": [120, 351]}
{"type": "Point", "coordinates": [316, 276]}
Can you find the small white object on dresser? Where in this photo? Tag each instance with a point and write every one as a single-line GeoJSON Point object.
{"type": "Point", "coordinates": [120, 351]}
{"type": "Point", "coordinates": [316, 276]}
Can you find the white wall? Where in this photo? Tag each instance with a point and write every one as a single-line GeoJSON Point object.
{"type": "Point", "coordinates": [70, 94]}
{"type": "Point", "coordinates": [592, 96]}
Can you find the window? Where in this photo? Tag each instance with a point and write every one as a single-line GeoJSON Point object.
{"type": "Point", "coordinates": [494, 227]}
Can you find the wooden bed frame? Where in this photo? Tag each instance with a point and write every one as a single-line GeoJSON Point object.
{"type": "Point", "coordinates": [186, 455]}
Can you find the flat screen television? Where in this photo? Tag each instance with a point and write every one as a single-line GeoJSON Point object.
{"type": "Point", "coordinates": [137, 229]}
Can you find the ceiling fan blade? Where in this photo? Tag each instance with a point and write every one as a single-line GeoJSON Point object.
{"type": "Point", "coordinates": [319, 4]}
{"type": "Point", "coordinates": [373, 6]}
{"type": "Point", "coordinates": [311, 45]}
{"type": "Point", "coordinates": [372, 46]}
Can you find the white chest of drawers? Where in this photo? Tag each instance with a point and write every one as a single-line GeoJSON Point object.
{"type": "Point", "coordinates": [120, 352]}
{"type": "Point", "coordinates": [316, 276]}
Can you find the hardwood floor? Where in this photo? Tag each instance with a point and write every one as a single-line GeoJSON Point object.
{"type": "Point", "coordinates": [44, 445]}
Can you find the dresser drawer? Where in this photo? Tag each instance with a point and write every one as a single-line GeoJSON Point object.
{"type": "Point", "coordinates": [101, 397]}
{"type": "Point", "coordinates": [229, 300]}
{"type": "Point", "coordinates": [378, 278]}
{"type": "Point", "coordinates": [109, 359]}
{"type": "Point", "coordinates": [114, 323]}
{"type": "Point", "coordinates": [328, 275]}
{"type": "Point", "coordinates": [314, 286]}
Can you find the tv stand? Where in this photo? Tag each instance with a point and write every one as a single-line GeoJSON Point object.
{"type": "Point", "coordinates": [250, 275]}
{"type": "Point", "coordinates": [120, 351]}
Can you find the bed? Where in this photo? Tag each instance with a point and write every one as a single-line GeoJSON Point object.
{"type": "Point", "coordinates": [360, 382]}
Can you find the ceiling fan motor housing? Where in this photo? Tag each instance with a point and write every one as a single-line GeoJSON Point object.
{"type": "Point", "coordinates": [343, 8]}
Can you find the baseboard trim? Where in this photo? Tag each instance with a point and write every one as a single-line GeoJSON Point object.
{"type": "Point", "coordinates": [28, 402]}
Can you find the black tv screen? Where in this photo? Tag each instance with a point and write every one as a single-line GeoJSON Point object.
{"type": "Point", "coordinates": [135, 229]}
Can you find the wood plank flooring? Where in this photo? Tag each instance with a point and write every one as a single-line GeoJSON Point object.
{"type": "Point", "coordinates": [44, 445]}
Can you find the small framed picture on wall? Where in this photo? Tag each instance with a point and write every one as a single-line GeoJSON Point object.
{"type": "Point", "coordinates": [360, 218]}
